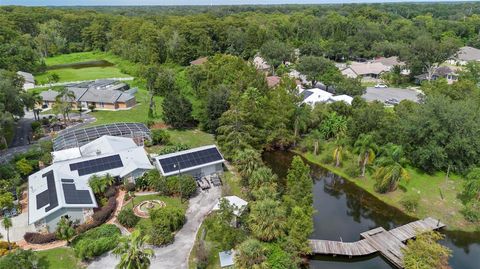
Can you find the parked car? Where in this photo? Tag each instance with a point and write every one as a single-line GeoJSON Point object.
{"type": "Point", "coordinates": [392, 101]}
{"type": "Point", "coordinates": [381, 85]}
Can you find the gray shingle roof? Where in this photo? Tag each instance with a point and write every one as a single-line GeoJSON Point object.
{"type": "Point", "coordinates": [26, 76]}
{"type": "Point", "coordinates": [468, 54]}
{"type": "Point", "coordinates": [104, 96]}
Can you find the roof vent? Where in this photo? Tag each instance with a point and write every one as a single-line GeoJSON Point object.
{"type": "Point", "coordinates": [99, 152]}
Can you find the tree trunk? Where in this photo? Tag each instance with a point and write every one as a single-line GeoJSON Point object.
{"type": "Point", "coordinates": [8, 239]}
{"type": "Point", "coordinates": [364, 163]}
{"type": "Point", "coordinates": [295, 132]}
{"type": "Point", "coordinates": [315, 147]}
{"type": "Point", "coordinates": [337, 158]}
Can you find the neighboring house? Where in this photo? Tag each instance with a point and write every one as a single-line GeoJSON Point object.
{"type": "Point", "coordinates": [29, 80]}
{"type": "Point", "coordinates": [273, 81]}
{"type": "Point", "coordinates": [199, 61]}
{"type": "Point", "coordinates": [447, 72]}
{"type": "Point", "coordinates": [198, 162]}
{"type": "Point", "coordinates": [464, 55]}
{"type": "Point", "coordinates": [391, 62]}
{"type": "Point", "coordinates": [369, 70]}
{"type": "Point", "coordinates": [315, 95]}
{"type": "Point", "coordinates": [109, 98]}
{"type": "Point", "coordinates": [227, 259]}
{"type": "Point", "coordinates": [260, 64]}
{"type": "Point", "coordinates": [299, 77]}
{"type": "Point", "coordinates": [62, 188]}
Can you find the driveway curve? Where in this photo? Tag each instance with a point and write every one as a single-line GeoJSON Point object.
{"type": "Point", "coordinates": [176, 254]}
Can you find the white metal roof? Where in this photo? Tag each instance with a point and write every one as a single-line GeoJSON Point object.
{"type": "Point", "coordinates": [133, 157]}
{"type": "Point", "coordinates": [165, 156]}
{"type": "Point", "coordinates": [226, 258]}
{"type": "Point", "coordinates": [235, 201]}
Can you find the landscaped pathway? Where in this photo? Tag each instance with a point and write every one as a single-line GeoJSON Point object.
{"type": "Point", "coordinates": [175, 255]}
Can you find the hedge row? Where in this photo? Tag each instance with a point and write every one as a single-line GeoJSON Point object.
{"type": "Point", "coordinates": [39, 238]}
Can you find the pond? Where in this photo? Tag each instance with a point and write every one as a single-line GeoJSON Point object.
{"type": "Point", "coordinates": [344, 210]}
{"type": "Point", "coordinates": [99, 63]}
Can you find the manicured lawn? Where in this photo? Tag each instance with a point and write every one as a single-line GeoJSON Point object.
{"type": "Point", "coordinates": [88, 73]}
{"type": "Point", "coordinates": [169, 201]}
{"type": "Point", "coordinates": [192, 138]}
{"type": "Point", "coordinates": [430, 188]}
{"type": "Point", "coordinates": [231, 180]}
{"type": "Point", "coordinates": [139, 113]}
{"type": "Point", "coordinates": [59, 258]}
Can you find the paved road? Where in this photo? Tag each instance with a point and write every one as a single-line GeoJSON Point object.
{"type": "Point", "coordinates": [175, 255]}
{"type": "Point", "coordinates": [383, 94]}
{"type": "Point", "coordinates": [23, 130]}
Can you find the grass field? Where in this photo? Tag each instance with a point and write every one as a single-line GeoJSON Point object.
{"type": "Point", "coordinates": [89, 73]}
{"type": "Point", "coordinates": [439, 196]}
{"type": "Point", "coordinates": [59, 258]}
{"type": "Point", "coordinates": [120, 69]}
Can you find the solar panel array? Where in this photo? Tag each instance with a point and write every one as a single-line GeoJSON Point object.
{"type": "Point", "coordinates": [97, 165]}
{"type": "Point", "coordinates": [49, 196]}
{"type": "Point", "coordinates": [190, 159]}
{"type": "Point", "coordinates": [79, 137]}
{"type": "Point", "coordinates": [74, 196]}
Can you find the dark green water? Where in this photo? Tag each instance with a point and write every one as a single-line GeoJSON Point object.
{"type": "Point", "coordinates": [99, 63]}
{"type": "Point", "coordinates": [344, 211]}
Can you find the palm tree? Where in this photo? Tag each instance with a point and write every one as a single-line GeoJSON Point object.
{"type": "Point", "coordinates": [109, 180]}
{"type": "Point", "coordinates": [267, 220]}
{"type": "Point", "coordinates": [63, 102]}
{"type": "Point", "coordinates": [98, 184]}
{"type": "Point", "coordinates": [133, 254]}
{"type": "Point", "coordinates": [365, 147]}
{"type": "Point", "coordinates": [316, 135]}
{"type": "Point", "coordinates": [7, 224]}
{"type": "Point", "coordinates": [247, 161]}
{"type": "Point", "coordinates": [390, 169]}
{"type": "Point", "coordinates": [65, 230]}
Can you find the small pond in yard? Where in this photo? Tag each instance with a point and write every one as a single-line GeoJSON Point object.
{"type": "Point", "coordinates": [344, 210]}
{"type": "Point", "coordinates": [98, 63]}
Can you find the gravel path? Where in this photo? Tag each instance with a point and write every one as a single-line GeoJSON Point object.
{"type": "Point", "coordinates": [175, 255]}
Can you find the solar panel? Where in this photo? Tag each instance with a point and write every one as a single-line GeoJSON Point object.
{"type": "Point", "coordinates": [74, 196]}
{"type": "Point", "coordinates": [191, 159]}
{"type": "Point", "coordinates": [49, 196]}
{"type": "Point", "coordinates": [97, 165]}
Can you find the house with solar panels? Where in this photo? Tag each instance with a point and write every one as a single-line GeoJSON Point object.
{"type": "Point", "coordinates": [198, 162]}
{"type": "Point", "coordinates": [62, 188]}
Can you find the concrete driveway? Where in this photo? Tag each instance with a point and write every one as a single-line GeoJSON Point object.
{"type": "Point", "coordinates": [19, 228]}
{"type": "Point", "coordinates": [175, 255]}
{"type": "Point", "coordinates": [383, 94]}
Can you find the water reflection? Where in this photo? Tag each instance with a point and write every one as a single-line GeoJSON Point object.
{"type": "Point", "coordinates": [344, 211]}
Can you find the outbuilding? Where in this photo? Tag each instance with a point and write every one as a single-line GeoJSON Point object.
{"type": "Point", "coordinates": [198, 162]}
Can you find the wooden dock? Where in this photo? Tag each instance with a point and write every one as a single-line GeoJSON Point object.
{"type": "Point", "coordinates": [388, 243]}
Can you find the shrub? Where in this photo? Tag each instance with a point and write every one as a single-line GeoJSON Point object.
{"type": "Point", "coordinates": [160, 136]}
{"type": "Point", "coordinates": [183, 185]}
{"type": "Point", "coordinates": [471, 212]}
{"type": "Point", "coordinates": [4, 247]}
{"type": "Point", "coordinates": [149, 123]}
{"type": "Point", "coordinates": [111, 192]}
{"type": "Point", "coordinates": [96, 241]}
{"type": "Point", "coordinates": [127, 218]}
{"type": "Point", "coordinates": [410, 202]}
{"type": "Point", "coordinates": [39, 238]}
{"type": "Point", "coordinates": [172, 149]}
{"type": "Point", "coordinates": [171, 217]}
{"type": "Point", "coordinates": [141, 183]}
{"type": "Point", "coordinates": [87, 226]}
{"type": "Point", "coordinates": [104, 213]}
{"type": "Point", "coordinates": [130, 186]}
{"type": "Point", "coordinates": [36, 125]}
{"type": "Point", "coordinates": [352, 169]}
{"type": "Point", "coordinates": [25, 259]}
{"type": "Point", "coordinates": [24, 167]}
{"type": "Point", "coordinates": [160, 235]}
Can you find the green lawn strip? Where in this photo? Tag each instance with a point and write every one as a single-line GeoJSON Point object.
{"type": "Point", "coordinates": [169, 201]}
{"type": "Point", "coordinates": [59, 258]}
{"type": "Point", "coordinates": [427, 186]}
{"type": "Point", "coordinates": [190, 137]}
{"type": "Point", "coordinates": [213, 248]}
{"type": "Point", "coordinates": [233, 181]}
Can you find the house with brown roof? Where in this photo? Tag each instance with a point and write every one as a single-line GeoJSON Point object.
{"type": "Point", "coordinates": [273, 81]}
{"type": "Point", "coordinates": [447, 72]}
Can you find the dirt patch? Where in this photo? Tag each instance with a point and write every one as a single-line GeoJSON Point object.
{"type": "Point", "coordinates": [160, 125]}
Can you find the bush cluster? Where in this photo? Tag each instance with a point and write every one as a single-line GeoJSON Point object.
{"type": "Point", "coordinates": [173, 148]}
{"type": "Point", "coordinates": [130, 186]}
{"type": "Point", "coordinates": [110, 192]}
{"type": "Point", "coordinates": [4, 247]}
{"type": "Point", "coordinates": [410, 202]}
{"type": "Point", "coordinates": [164, 222]}
{"type": "Point", "coordinates": [160, 137]}
{"type": "Point", "coordinates": [127, 218]}
{"type": "Point", "coordinates": [104, 213]}
{"type": "Point", "coordinates": [39, 238]}
{"type": "Point", "coordinates": [96, 241]}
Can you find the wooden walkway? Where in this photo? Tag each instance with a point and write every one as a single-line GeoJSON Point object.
{"type": "Point", "coordinates": [388, 243]}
